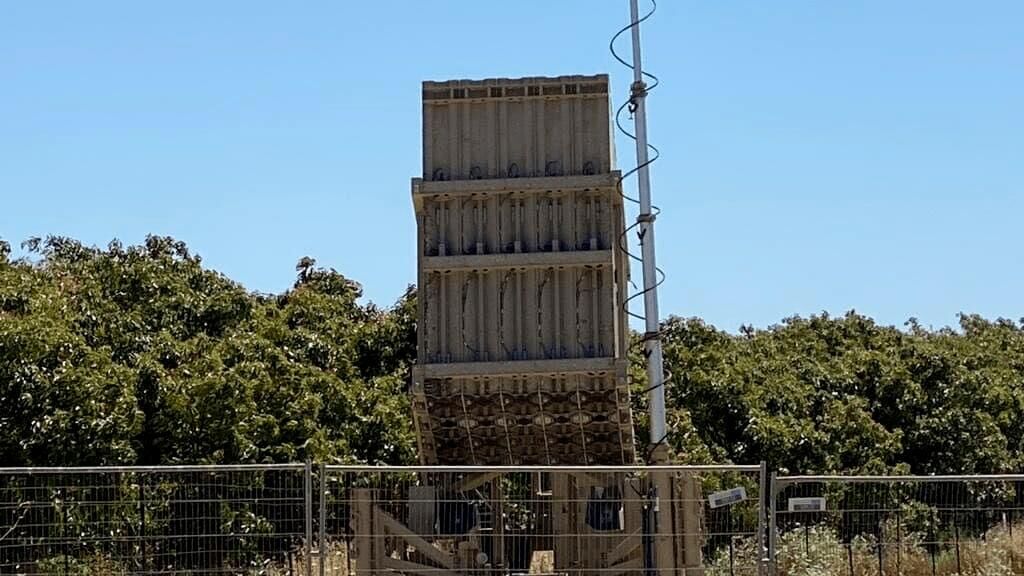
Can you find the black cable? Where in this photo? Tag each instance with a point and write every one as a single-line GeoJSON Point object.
{"type": "Point", "coordinates": [611, 45]}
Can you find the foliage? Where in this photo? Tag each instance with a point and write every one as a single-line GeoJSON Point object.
{"type": "Point", "coordinates": [139, 355]}
{"type": "Point", "coordinates": [826, 394]}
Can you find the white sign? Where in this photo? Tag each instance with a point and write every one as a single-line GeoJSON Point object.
{"type": "Point", "coordinates": [727, 497]}
{"type": "Point", "coordinates": [806, 504]}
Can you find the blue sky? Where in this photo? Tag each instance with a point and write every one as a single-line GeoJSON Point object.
{"type": "Point", "coordinates": [815, 155]}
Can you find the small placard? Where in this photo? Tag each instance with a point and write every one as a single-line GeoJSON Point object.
{"type": "Point", "coordinates": [727, 497]}
{"type": "Point", "coordinates": [806, 504]}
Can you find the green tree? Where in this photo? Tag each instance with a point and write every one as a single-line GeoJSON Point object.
{"type": "Point", "coordinates": [826, 394]}
{"type": "Point", "coordinates": [140, 355]}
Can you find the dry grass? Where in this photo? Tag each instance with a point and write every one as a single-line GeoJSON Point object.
{"type": "Point", "coordinates": [336, 563]}
{"type": "Point", "coordinates": [815, 553]}
{"type": "Point", "coordinates": [818, 552]}
{"type": "Point", "coordinates": [335, 558]}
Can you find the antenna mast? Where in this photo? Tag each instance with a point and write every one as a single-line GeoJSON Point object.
{"type": "Point", "coordinates": [645, 221]}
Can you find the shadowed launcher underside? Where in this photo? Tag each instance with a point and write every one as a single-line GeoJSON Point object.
{"type": "Point", "coordinates": [522, 335]}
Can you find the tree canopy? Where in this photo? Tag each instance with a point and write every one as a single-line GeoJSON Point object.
{"type": "Point", "coordinates": [824, 395]}
{"type": "Point", "coordinates": [140, 355]}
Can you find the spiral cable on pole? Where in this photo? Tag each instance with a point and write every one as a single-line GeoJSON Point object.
{"type": "Point", "coordinates": [623, 240]}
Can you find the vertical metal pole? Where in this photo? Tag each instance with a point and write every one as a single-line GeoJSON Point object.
{"type": "Point", "coordinates": [732, 540]}
{"type": "Point", "coordinates": [64, 533]}
{"type": "Point", "coordinates": [762, 514]}
{"type": "Point", "coordinates": [932, 547]}
{"type": "Point", "coordinates": [773, 528]}
{"type": "Point", "coordinates": [652, 339]}
{"type": "Point", "coordinates": [307, 547]}
{"type": "Point", "coordinates": [879, 545]}
{"type": "Point", "coordinates": [662, 551]}
{"type": "Point", "coordinates": [899, 542]}
{"type": "Point", "coordinates": [142, 519]}
{"type": "Point", "coordinates": [647, 529]}
{"type": "Point", "coordinates": [321, 542]}
{"type": "Point", "coordinates": [956, 537]}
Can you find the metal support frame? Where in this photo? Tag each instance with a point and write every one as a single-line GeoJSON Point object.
{"type": "Point", "coordinates": [669, 492]}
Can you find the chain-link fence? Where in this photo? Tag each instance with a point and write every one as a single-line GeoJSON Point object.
{"type": "Point", "coordinates": [163, 520]}
{"type": "Point", "coordinates": [905, 525]}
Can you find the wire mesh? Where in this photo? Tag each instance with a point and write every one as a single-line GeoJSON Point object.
{"type": "Point", "coordinates": [180, 520]}
{"type": "Point", "coordinates": [887, 526]}
{"type": "Point", "coordinates": [544, 520]}
{"type": "Point", "coordinates": [261, 520]}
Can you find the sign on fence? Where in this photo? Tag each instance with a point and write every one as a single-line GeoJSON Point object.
{"type": "Point", "coordinates": [727, 497]}
{"type": "Point", "coordinates": [806, 504]}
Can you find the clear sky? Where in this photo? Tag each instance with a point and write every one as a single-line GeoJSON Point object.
{"type": "Point", "coordinates": [816, 155]}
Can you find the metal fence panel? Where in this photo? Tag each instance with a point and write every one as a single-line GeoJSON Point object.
{"type": "Point", "coordinates": [541, 520]}
{"type": "Point", "coordinates": [412, 520]}
{"type": "Point", "coordinates": [166, 520]}
{"type": "Point", "coordinates": [892, 525]}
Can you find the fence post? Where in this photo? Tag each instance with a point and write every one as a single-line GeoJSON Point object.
{"type": "Point", "coordinates": [762, 519]}
{"type": "Point", "coordinates": [321, 541]}
{"type": "Point", "coordinates": [142, 520]}
{"type": "Point", "coordinates": [307, 546]}
{"type": "Point", "coordinates": [773, 529]}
